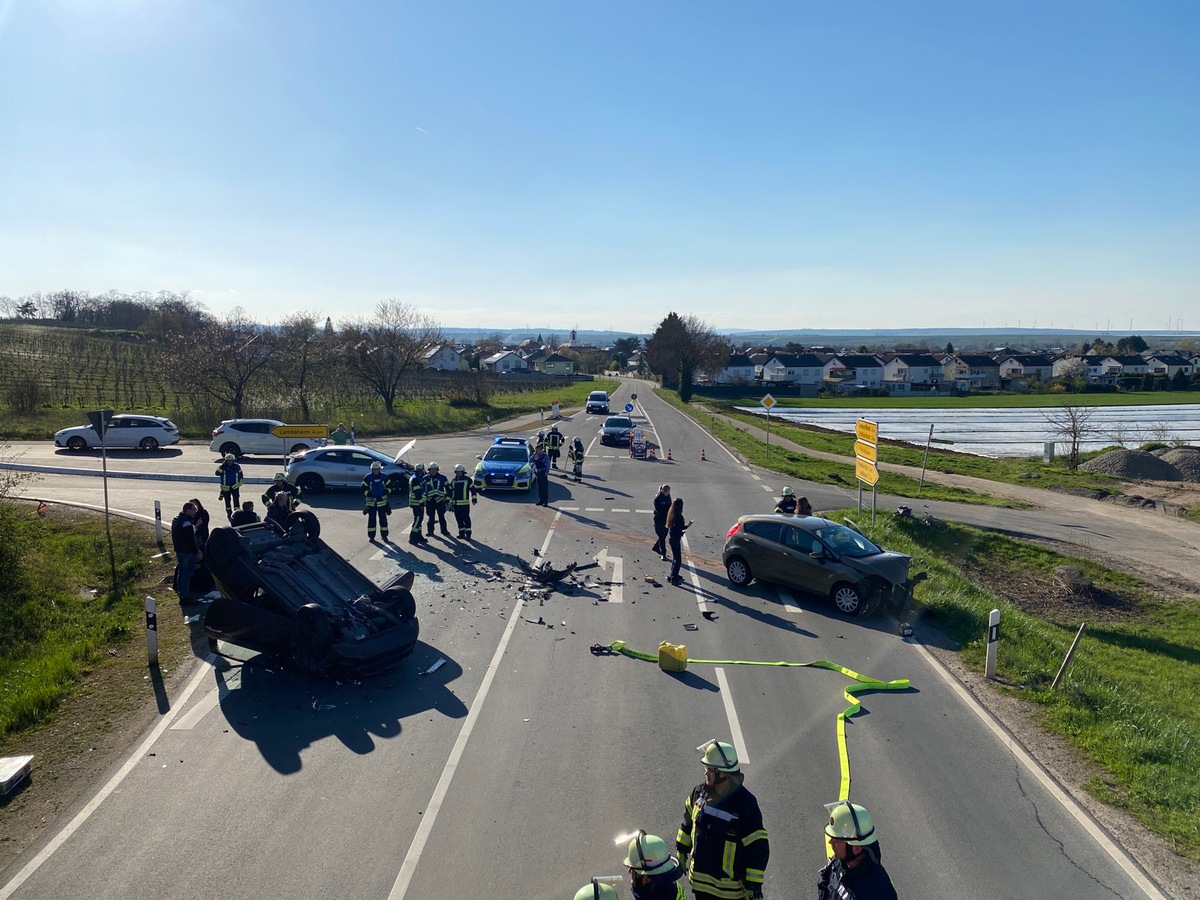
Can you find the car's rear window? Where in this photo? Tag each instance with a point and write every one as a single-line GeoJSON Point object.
{"type": "Point", "coordinates": [768, 531]}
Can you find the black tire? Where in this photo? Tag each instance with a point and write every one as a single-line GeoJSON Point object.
{"type": "Point", "coordinates": [302, 519]}
{"type": "Point", "coordinates": [298, 448]}
{"type": "Point", "coordinates": [231, 447]}
{"type": "Point", "coordinates": [313, 630]}
{"type": "Point", "coordinates": [310, 483]}
{"type": "Point", "coordinates": [847, 598]}
{"type": "Point", "coordinates": [77, 444]}
{"type": "Point", "coordinates": [400, 602]}
{"type": "Point", "coordinates": [738, 571]}
{"type": "Point", "coordinates": [224, 547]}
{"type": "Point", "coordinates": [148, 443]}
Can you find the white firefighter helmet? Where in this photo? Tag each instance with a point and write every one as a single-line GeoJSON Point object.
{"type": "Point", "coordinates": [433, 467]}
{"type": "Point", "coordinates": [787, 492]}
{"type": "Point", "coordinates": [459, 468]}
{"type": "Point", "coordinates": [375, 466]}
{"type": "Point", "coordinates": [851, 823]}
{"type": "Point", "coordinates": [595, 890]}
{"type": "Point", "coordinates": [279, 476]}
{"type": "Point", "coordinates": [720, 756]}
{"type": "Point", "coordinates": [649, 855]}
{"type": "Point", "coordinates": [229, 457]}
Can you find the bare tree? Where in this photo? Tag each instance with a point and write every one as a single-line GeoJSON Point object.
{"type": "Point", "coordinates": [1073, 424]}
{"type": "Point", "coordinates": [683, 347]}
{"type": "Point", "coordinates": [222, 359]}
{"type": "Point", "coordinates": [303, 348]}
{"type": "Point", "coordinates": [380, 351]}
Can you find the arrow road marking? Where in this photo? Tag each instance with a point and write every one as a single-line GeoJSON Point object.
{"type": "Point", "coordinates": [616, 593]}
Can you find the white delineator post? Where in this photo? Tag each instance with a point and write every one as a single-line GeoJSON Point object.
{"type": "Point", "coordinates": [993, 639]}
{"type": "Point", "coordinates": [158, 522]}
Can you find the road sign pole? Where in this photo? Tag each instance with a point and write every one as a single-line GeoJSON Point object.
{"type": "Point", "coordinates": [874, 500]}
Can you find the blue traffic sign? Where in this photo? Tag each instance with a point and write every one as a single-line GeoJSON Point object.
{"type": "Point", "coordinates": [628, 407]}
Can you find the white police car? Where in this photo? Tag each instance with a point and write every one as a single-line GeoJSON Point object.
{"type": "Point", "coordinates": [505, 466]}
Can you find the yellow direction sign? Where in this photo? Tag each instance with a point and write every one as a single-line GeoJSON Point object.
{"type": "Point", "coordinates": [300, 431]}
{"type": "Point", "coordinates": [768, 401]}
{"type": "Point", "coordinates": [866, 471]}
{"type": "Point", "coordinates": [866, 451]}
{"type": "Point", "coordinates": [866, 431]}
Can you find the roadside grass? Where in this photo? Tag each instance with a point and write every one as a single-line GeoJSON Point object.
{"type": "Point", "coordinates": [58, 617]}
{"type": "Point", "coordinates": [1131, 696]}
{"type": "Point", "coordinates": [413, 417]}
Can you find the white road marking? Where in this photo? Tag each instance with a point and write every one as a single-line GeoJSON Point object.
{"type": "Point", "coordinates": [786, 600]}
{"type": "Point", "coordinates": [735, 727]}
{"type": "Point", "coordinates": [594, 509]}
{"type": "Point", "coordinates": [616, 592]}
{"type": "Point", "coordinates": [619, 509]}
{"type": "Point", "coordinates": [701, 603]}
{"type": "Point", "coordinates": [208, 702]}
{"type": "Point", "coordinates": [409, 866]}
{"type": "Point", "coordinates": [136, 757]}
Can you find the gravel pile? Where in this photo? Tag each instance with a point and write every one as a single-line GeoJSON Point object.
{"type": "Point", "coordinates": [1133, 464]}
{"type": "Point", "coordinates": [1186, 460]}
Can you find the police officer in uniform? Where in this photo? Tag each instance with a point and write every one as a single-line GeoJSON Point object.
{"type": "Point", "coordinates": [437, 489]}
{"type": "Point", "coordinates": [854, 871]}
{"type": "Point", "coordinates": [462, 496]}
{"type": "Point", "coordinates": [281, 484]}
{"type": "Point", "coordinates": [375, 501]}
{"type": "Point", "coordinates": [229, 473]}
{"type": "Point", "coordinates": [416, 502]}
{"type": "Point", "coordinates": [722, 841]}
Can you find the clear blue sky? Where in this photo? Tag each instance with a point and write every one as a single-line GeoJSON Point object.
{"type": "Point", "coordinates": [562, 163]}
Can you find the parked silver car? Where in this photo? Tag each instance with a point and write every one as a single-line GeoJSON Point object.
{"type": "Point", "coordinates": [345, 467]}
{"type": "Point", "coordinates": [125, 431]}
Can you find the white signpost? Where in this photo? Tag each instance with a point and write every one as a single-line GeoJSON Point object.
{"type": "Point", "coordinates": [767, 402]}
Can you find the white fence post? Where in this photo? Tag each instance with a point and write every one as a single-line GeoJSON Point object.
{"type": "Point", "coordinates": [993, 639]}
{"type": "Point", "coordinates": [152, 630]}
{"type": "Point", "coordinates": [158, 522]}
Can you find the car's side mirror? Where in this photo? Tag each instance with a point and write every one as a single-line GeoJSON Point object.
{"type": "Point", "coordinates": [479, 456]}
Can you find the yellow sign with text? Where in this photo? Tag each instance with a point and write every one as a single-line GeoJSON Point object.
{"type": "Point", "coordinates": [866, 471]}
{"type": "Point", "coordinates": [866, 451]}
{"type": "Point", "coordinates": [866, 431]}
{"type": "Point", "coordinates": [300, 431]}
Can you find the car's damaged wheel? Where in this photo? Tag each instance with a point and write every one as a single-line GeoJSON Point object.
{"type": "Point", "coordinates": [400, 602]}
{"type": "Point", "coordinates": [302, 522]}
{"type": "Point", "coordinates": [848, 599]}
{"type": "Point", "coordinates": [314, 631]}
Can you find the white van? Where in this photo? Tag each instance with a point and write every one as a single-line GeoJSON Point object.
{"type": "Point", "coordinates": [597, 402]}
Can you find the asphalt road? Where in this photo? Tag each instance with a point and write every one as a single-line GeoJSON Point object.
{"type": "Point", "coordinates": [509, 770]}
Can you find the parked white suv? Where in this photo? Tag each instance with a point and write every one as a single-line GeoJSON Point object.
{"type": "Point", "coordinates": [242, 436]}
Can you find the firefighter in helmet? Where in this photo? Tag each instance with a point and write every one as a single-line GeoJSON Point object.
{"type": "Point", "coordinates": [654, 874]}
{"type": "Point", "coordinates": [229, 474]}
{"type": "Point", "coordinates": [376, 504]}
{"type": "Point", "coordinates": [854, 871]}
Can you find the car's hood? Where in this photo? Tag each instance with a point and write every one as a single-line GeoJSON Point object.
{"type": "Point", "coordinates": [497, 465]}
{"type": "Point", "coordinates": [403, 450]}
{"type": "Point", "coordinates": [888, 565]}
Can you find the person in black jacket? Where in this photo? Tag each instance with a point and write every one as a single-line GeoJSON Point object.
{"type": "Point", "coordinates": [662, 505]}
{"type": "Point", "coordinates": [675, 529]}
{"type": "Point", "coordinates": [245, 516]}
{"type": "Point", "coordinates": [278, 512]}
{"type": "Point", "coordinates": [722, 841]}
{"type": "Point", "coordinates": [854, 872]}
{"type": "Point", "coordinates": [187, 554]}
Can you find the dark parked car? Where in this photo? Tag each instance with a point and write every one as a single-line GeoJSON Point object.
{"type": "Point", "coordinates": [813, 554]}
{"type": "Point", "coordinates": [293, 598]}
{"type": "Point", "coordinates": [616, 430]}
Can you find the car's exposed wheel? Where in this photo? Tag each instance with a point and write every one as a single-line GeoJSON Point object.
{"type": "Point", "coordinates": [148, 443]}
{"type": "Point", "coordinates": [739, 571]}
{"type": "Point", "coordinates": [310, 483]}
{"type": "Point", "coordinates": [847, 598]}
{"type": "Point", "coordinates": [77, 444]}
{"type": "Point", "coordinates": [313, 630]}
{"type": "Point", "coordinates": [400, 602]}
{"type": "Point", "coordinates": [223, 547]}
{"type": "Point", "coordinates": [304, 522]}
{"type": "Point", "coordinates": [298, 448]}
{"type": "Point", "coordinates": [231, 447]}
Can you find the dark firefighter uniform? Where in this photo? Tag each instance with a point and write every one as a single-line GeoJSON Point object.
{"type": "Point", "coordinates": [437, 489]}
{"type": "Point", "coordinates": [786, 505]}
{"type": "Point", "coordinates": [723, 844]}
{"type": "Point", "coordinates": [416, 502]}
{"type": "Point", "coordinates": [229, 474]}
{"type": "Point", "coordinates": [293, 492]}
{"type": "Point", "coordinates": [462, 495]}
{"type": "Point", "coordinates": [554, 442]}
{"type": "Point", "coordinates": [576, 456]}
{"type": "Point", "coordinates": [375, 503]}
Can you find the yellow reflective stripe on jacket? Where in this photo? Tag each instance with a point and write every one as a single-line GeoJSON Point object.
{"type": "Point", "coordinates": [725, 888]}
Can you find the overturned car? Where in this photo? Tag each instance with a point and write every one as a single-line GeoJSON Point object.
{"type": "Point", "coordinates": [292, 597]}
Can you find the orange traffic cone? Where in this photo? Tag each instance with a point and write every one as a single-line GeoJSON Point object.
{"type": "Point", "coordinates": [668, 453]}
{"type": "Point", "coordinates": [702, 459]}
